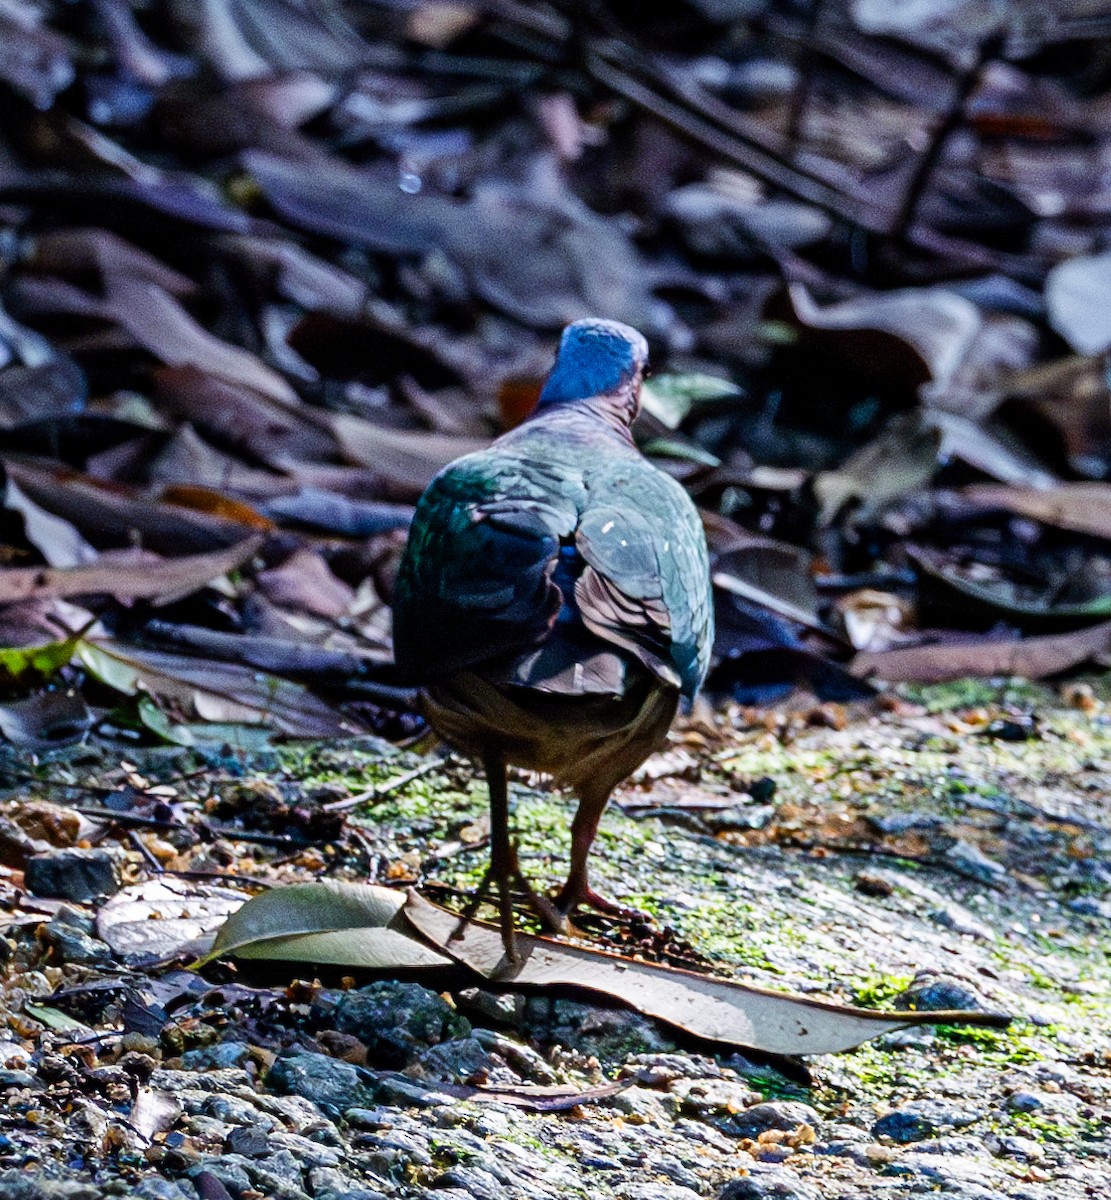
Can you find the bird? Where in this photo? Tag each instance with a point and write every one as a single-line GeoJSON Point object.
{"type": "Point", "coordinates": [553, 604]}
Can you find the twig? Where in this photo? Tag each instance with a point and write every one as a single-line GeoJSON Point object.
{"type": "Point", "coordinates": [134, 838]}
{"type": "Point", "coordinates": [382, 790]}
{"type": "Point", "coordinates": [952, 120]}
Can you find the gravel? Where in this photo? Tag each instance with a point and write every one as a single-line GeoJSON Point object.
{"type": "Point", "coordinates": [348, 1090]}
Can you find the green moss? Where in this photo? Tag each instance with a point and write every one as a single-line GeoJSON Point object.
{"type": "Point", "coordinates": [878, 991]}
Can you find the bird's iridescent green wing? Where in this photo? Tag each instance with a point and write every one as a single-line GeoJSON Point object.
{"type": "Point", "coordinates": [647, 582]}
{"type": "Point", "coordinates": [474, 582]}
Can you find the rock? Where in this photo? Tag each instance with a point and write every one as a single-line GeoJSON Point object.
{"type": "Point", "coordinates": [408, 1093]}
{"type": "Point", "coordinates": [395, 1021]}
{"type": "Point", "coordinates": [713, 1097]}
{"type": "Point", "coordinates": [969, 1176]}
{"type": "Point", "coordinates": [10, 1080]}
{"type": "Point", "coordinates": [73, 874]}
{"type": "Point", "coordinates": [960, 920]}
{"type": "Point", "coordinates": [212, 1174]}
{"type": "Point", "coordinates": [331, 1085]}
{"type": "Point", "coordinates": [71, 945]}
{"type": "Point", "coordinates": [643, 1104]}
{"type": "Point", "coordinates": [767, 1182]}
{"type": "Point", "coordinates": [19, 1185]}
{"type": "Point", "coordinates": [326, 1183]}
{"type": "Point", "coordinates": [936, 993]}
{"type": "Point", "coordinates": [223, 1054]}
{"type": "Point", "coordinates": [903, 822]}
{"type": "Point", "coordinates": [1089, 906]}
{"type": "Point", "coordinates": [165, 1189]}
{"type": "Point", "coordinates": [1024, 1102]}
{"type": "Point", "coordinates": [1023, 1148]}
{"type": "Point", "coordinates": [605, 1032]}
{"type": "Point", "coordinates": [454, 1061]}
{"type": "Point", "coordinates": [972, 862]}
{"type": "Point", "coordinates": [921, 1119]}
{"type": "Point", "coordinates": [772, 1114]}
{"type": "Point", "coordinates": [251, 1143]}
{"type": "Point", "coordinates": [656, 1191]}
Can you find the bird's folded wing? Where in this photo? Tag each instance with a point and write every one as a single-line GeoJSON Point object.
{"type": "Point", "coordinates": [475, 582]}
{"type": "Point", "coordinates": [646, 586]}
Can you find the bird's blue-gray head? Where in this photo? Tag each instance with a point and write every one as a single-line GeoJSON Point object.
{"type": "Point", "coordinates": [598, 359]}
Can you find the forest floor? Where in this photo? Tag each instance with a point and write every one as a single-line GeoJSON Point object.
{"type": "Point", "coordinates": [951, 843]}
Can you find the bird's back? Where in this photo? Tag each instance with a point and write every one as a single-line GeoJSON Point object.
{"type": "Point", "coordinates": [558, 560]}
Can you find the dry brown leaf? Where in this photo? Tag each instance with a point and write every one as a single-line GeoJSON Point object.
{"type": "Point", "coordinates": [158, 581]}
{"type": "Point", "coordinates": [1030, 658]}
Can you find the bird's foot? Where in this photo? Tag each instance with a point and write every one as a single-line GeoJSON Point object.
{"type": "Point", "coordinates": [501, 879]}
{"type": "Point", "coordinates": [577, 896]}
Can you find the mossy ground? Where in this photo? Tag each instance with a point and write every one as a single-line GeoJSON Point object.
{"type": "Point", "coordinates": [841, 888]}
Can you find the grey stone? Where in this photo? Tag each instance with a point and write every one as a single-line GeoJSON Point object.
{"type": "Point", "coordinates": [1024, 1102]}
{"type": "Point", "coordinates": [165, 1189]}
{"type": "Point", "coordinates": [1089, 906]}
{"type": "Point", "coordinates": [225, 1169]}
{"type": "Point", "coordinates": [330, 1084]}
{"type": "Point", "coordinates": [12, 1079]}
{"type": "Point", "coordinates": [473, 1181]}
{"type": "Point", "coordinates": [223, 1054]}
{"type": "Point", "coordinates": [1023, 1148]}
{"type": "Point", "coordinates": [644, 1103]}
{"type": "Point", "coordinates": [250, 1142]}
{"type": "Point", "coordinates": [237, 1111]}
{"type": "Point", "coordinates": [71, 945]}
{"type": "Point", "coordinates": [19, 1185]}
{"type": "Point", "coordinates": [971, 861]}
{"type": "Point", "coordinates": [773, 1114]}
{"type": "Point", "coordinates": [960, 920]}
{"type": "Point", "coordinates": [921, 1119]}
{"type": "Point", "coordinates": [326, 1183]}
{"type": "Point", "coordinates": [656, 1191]}
{"type": "Point", "coordinates": [406, 1093]}
{"type": "Point", "coordinates": [396, 1021]}
{"type": "Point", "coordinates": [937, 993]}
{"type": "Point", "coordinates": [453, 1061]}
{"type": "Point", "coordinates": [73, 874]}
{"type": "Point", "coordinates": [967, 1173]}
{"type": "Point", "coordinates": [714, 1097]}
{"type": "Point", "coordinates": [767, 1182]}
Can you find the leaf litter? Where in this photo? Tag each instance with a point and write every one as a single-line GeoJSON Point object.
{"type": "Point", "coordinates": [266, 268]}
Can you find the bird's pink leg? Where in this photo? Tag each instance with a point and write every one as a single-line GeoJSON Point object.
{"type": "Point", "coordinates": [577, 889]}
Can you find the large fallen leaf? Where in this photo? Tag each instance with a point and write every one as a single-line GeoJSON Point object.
{"type": "Point", "coordinates": [45, 721]}
{"type": "Point", "coordinates": [1079, 507]}
{"type": "Point", "coordinates": [1078, 297]}
{"type": "Point", "coordinates": [1026, 658]}
{"type": "Point", "coordinates": [57, 540]}
{"type": "Point", "coordinates": [157, 581]}
{"type": "Point", "coordinates": [717, 1010]}
{"type": "Point", "coordinates": [41, 659]}
{"type": "Point", "coordinates": [982, 601]}
{"type": "Point", "coordinates": [405, 459]}
{"type": "Point", "coordinates": [114, 515]}
{"type": "Point", "coordinates": [161, 325]}
{"type": "Point", "coordinates": [345, 924]}
{"type": "Point", "coordinates": [901, 459]}
{"type": "Point", "coordinates": [162, 916]}
{"type": "Point", "coordinates": [212, 691]}
{"type": "Point", "coordinates": [359, 925]}
{"type": "Point", "coordinates": [916, 334]}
